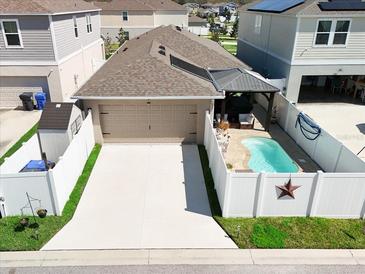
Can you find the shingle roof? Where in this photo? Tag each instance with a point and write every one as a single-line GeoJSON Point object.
{"type": "Point", "coordinates": [138, 70]}
{"type": "Point", "coordinates": [151, 5]}
{"type": "Point", "coordinates": [196, 19]}
{"type": "Point", "coordinates": [55, 116]}
{"type": "Point", "coordinates": [44, 6]}
{"type": "Point", "coordinates": [238, 80]}
{"type": "Point", "coordinates": [309, 7]}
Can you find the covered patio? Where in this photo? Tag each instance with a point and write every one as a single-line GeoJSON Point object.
{"type": "Point", "coordinates": [236, 81]}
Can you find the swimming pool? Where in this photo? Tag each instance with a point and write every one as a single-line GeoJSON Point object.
{"type": "Point", "coordinates": [268, 156]}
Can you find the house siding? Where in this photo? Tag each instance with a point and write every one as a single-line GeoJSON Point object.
{"type": "Point", "coordinates": [165, 18]}
{"type": "Point", "coordinates": [37, 40]}
{"type": "Point", "coordinates": [277, 34]}
{"type": "Point", "coordinates": [66, 42]}
{"type": "Point", "coordinates": [355, 48]}
{"type": "Point", "coordinates": [136, 19]}
{"type": "Point", "coordinates": [261, 62]}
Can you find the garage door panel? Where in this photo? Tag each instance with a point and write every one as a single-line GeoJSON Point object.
{"type": "Point", "coordinates": [148, 123]}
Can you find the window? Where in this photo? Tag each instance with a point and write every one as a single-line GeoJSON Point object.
{"type": "Point", "coordinates": [75, 27]}
{"type": "Point", "coordinates": [11, 32]}
{"type": "Point", "coordinates": [341, 32]}
{"type": "Point", "coordinates": [332, 32]}
{"type": "Point", "coordinates": [258, 21]}
{"type": "Point", "coordinates": [88, 23]}
{"type": "Point", "coordinates": [125, 15]}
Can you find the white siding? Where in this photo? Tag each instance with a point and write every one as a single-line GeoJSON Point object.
{"type": "Point", "coordinates": [165, 18]}
{"type": "Point", "coordinates": [355, 46]}
{"type": "Point", "coordinates": [66, 42]}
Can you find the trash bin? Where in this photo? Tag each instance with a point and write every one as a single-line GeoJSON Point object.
{"type": "Point", "coordinates": [27, 100]}
{"type": "Point", "coordinates": [40, 97]}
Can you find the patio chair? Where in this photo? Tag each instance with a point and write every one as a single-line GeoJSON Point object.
{"type": "Point", "coordinates": [247, 121]}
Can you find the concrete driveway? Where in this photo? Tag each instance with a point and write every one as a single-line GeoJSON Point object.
{"type": "Point", "coordinates": [14, 124]}
{"type": "Point", "coordinates": [143, 196]}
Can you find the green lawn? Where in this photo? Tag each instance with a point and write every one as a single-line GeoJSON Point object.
{"type": "Point", "coordinates": [12, 239]}
{"type": "Point", "coordinates": [285, 232]}
{"type": "Point", "coordinates": [19, 143]}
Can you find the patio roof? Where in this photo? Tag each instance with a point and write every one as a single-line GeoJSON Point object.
{"type": "Point", "coordinates": [239, 80]}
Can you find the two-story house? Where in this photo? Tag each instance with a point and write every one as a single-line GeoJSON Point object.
{"type": "Point", "coordinates": [304, 41]}
{"type": "Point", "coordinates": [51, 46]}
{"type": "Point", "coordinates": [139, 16]}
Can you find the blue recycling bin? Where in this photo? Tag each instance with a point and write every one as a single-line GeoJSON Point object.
{"type": "Point", "coordinates": [37, 166]}
{"type": "Point", "coordinates": [41, 98]}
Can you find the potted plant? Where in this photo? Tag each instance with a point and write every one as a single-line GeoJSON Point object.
{"type": "Point", "coordinates": [42, 213]}
{"type": "Point", "coordinates": [24, 222]}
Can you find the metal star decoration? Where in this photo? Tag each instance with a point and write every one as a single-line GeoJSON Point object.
{"type": "Point", "coordinates": [287, 190]}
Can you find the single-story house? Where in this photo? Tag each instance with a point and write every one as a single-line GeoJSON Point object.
{"type": "Point", "coordinates": [198, 25]}
{"type": "Point", "coordinates": [158, 86]}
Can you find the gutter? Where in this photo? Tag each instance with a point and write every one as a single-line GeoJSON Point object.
{"type": "Point", "coordinates": [148, 98]}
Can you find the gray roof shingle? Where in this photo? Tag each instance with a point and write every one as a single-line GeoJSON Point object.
{"type": "Point", "coordinates": [238, 80]}
{"type": "Point", "coordinates": [44, 6]}
{"type": "Point", "coordinates": [138, 70]}
{"type": "Point", "coordinates": [140, 5]}
{"type": "Point", "coordinates": [56, 116]}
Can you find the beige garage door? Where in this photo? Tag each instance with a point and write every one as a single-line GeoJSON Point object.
{"type": "Point", "coordinates": [148, 123]}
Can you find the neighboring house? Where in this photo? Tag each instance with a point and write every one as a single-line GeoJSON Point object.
{"type": "Point", "coordinates": [313, 40]}
{"type": "Point", "coordinates": [198, 26]}
{"type": "Point", "coordinates": [192, 8]}
{"type": "Point", "coordinates": [139, 16]}
{"type": "Point", "coordinates": [158, 87]}
{"type": "Point", "coordinates": [206, 12]}
{"type": "Point", "coordinates": [58, 125]}
{"type": "Point", "coordinates": [51, 46]}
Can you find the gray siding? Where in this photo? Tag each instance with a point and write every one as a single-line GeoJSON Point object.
{"type": "Point", "coordinates": [277, 33]}
{"type": "Point", "coordinates": [261, 62]}
{"type": "Point", "coordinates": [66, 42]}
{"type": "Point", "coordinates": [355, 48]}
{"type": "Point", "coordinates": [37, 40]}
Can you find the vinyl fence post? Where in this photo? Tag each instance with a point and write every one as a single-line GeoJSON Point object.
{"type": "Point", "coordinates": [317, 182]}
{"type": "Point", "coordinates": [53, 193]}
{"type": "Point", "coordinates": [259, 194]}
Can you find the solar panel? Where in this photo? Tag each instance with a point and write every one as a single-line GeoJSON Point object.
{"type": "Point", "coordinates": [342, 5]}
{"type": "Point", "coordinates": [276, 6]}
{"type": "Point", "coordinates": [181, 64]}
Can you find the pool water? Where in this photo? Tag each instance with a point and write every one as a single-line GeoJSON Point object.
{"type": "Point", "coordinates": [268, 156]}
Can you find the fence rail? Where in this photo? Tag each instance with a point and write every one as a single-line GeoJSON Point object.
{"type": "Point", "coordinates": [331, 195]}
{"type": "Point", "coordinates": [51, 188]}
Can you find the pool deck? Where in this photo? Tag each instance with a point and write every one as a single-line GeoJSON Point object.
{"type": "Point", "coordinates": [238, 155]}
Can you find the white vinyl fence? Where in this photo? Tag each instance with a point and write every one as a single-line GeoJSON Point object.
{"type": "Point", "coordinates": [328, 152]}
{"type": "Point", "coordinates": [50, 190]}
{"type": "Point", "coordinates": [331, 195]}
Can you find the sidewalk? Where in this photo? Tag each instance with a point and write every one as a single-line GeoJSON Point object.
{"type": "Point", "coordinates": [183, 257]}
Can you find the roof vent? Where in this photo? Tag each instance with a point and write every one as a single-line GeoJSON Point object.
{"type": "Point", "coordinates": [178, 28]}
{"type": "Point", "coordinates": [162, 47]}
{"type": "Point", "coordinates": [125, 49]}
{"type": "Point", "coordinates": [162, 52]}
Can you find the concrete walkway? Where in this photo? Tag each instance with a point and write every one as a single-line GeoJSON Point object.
{"type": "Point", "coordinates": [184, 257]}
{"type": "Point", "coordinates": [14, 124]}
{"type": "Point", "coordinates": [143, 196]}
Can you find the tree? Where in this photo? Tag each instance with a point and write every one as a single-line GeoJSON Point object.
{"type": "Point", "coordinates": [223, 29]}
{"type": "Point", "coordinates": [215, 36]}
{"type": "Point", "coordinates": [122, 36]}
{"type": "Point", "coordinates": [227, 14]}
{"type": "Point", "coordinates": [234, 31]}
{"type": "Point", "coordinates": [107, 45]}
